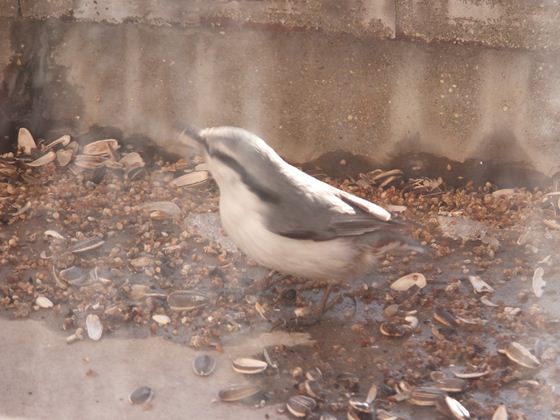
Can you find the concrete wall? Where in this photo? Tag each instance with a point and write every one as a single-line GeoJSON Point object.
{"type": "Point", "coordinates": [461, 79]}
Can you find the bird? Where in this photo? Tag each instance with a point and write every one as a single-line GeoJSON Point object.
{"type": "Point", "coordinates": [287, 220]}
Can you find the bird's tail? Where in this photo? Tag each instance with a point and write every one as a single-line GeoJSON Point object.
{"type": "Point", "coordinates": [392, 237]}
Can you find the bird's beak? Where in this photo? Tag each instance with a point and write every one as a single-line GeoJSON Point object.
{"type": "Point", "coordinates": [191, 137]}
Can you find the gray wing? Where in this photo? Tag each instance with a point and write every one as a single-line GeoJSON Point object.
{"type": "Point", "coordinates": [317, 211]}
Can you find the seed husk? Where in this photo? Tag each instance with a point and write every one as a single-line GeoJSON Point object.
{"type": "Point", "coordinates": [372, 394]}
{"type": "Point", "coordinates": [270, 362]}
{"type": "Point", "coordinates": [25, 141]}
{"type": "Point", "coordinates": [314, 374]}
{"type": "Point", "coordinates": [445, 318]}
{"type": "Point", "coordinates": [249, 366]}
{"type": "Point", "coordinates": [88, 162]}
{"type": "Point", "coordinates": [44, 302]}
{"type": "Point", "coordinates": [451, 407]}
{"type": "Point", "coordinates": [391, 329]}
{"type": "Point", "coordinates": [348, 380]}
{"type": "Point", "coordinates": [64, 157]}
{"type": "Point", "coordinates": [327, 416]}
{"type": "Point", "coordinates": [74, 276]}
{"type": "Point", "coordinates": [135, 173]}
{"type": "Point", "coordinates": [470, 375]}
{"type": "Point", "coordinates": [141, 262]}
{"type": "Point", "coordinates": [43, 160]}
{"type": "Point", "coordinates": [101, 147]}
{"type": "Point", "coordinates": [479, 285]}
{"type": "Point", "coordinates": [313, 389]}
{"type": "Point", "coordinates": [425, 396]}
{"type": "Point", "coordinates": [53, 234]}
{"type": "Point", "coordinates": [167, 207]}
{"type": "Point", "coordinates": [141, 395]}
{"type": "Point", "coordinates": [186, 300]}
{"type": "Point", "coordinates": [521, 355]}
{"type": "Point", "coordinates": [451, 385]}
{"type": "Point", "coordinates": [300, 405]}
{"type": "Point", "coordinates": [161, 319]}
{"type": "Point", "coordinates": [62, 140]}
{"type": "Point", "coordinates": [86, 245]}
{"type": "Point", "coordinates": [238, 392]}
{"type": "Point", "coordinates": [132, 160]}
{"type": "Point", "coordinates": [500, 413]}
{"type": "Point", "coordinates": [538, 282]}
{"type": "Point", "coordinates": [487, 302]}
{"type": "Point", "coordinates": [204, 365]}
{"type": "Point", "coordinates": [360, 405]}
{"type": "Point", "coordinates": [94, 327]}
{"type": "Point", "coordinates": [190, 180]}
{"type": "Point", "coordinates": [406, 282]}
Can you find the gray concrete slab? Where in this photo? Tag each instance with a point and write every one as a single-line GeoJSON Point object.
{"type": "Point", "coordinates": [500, 24]}
{"type": "Point", "coordinates": [45, 378]}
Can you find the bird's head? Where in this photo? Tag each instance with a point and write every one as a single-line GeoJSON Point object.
{"type": "Point", "coordinates": [235, 155]}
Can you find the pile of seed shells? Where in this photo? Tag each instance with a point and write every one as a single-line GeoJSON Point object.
{"type": "Point", "coordinates": [102, 237]}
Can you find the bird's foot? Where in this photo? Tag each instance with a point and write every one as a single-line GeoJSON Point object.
{"type": "Point", "coordinates": [312, 315]}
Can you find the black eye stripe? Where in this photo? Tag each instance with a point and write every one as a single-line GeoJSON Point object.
{"type": "Point", "coordinates": [261, 192]}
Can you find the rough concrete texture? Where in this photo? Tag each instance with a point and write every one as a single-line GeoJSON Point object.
{"type": "Point", "coordinates": [44, 378]}
{"type": "Point", "coordinates": [496, 23]}
{"type": "Point", "coordinates": [8, 8]}
{"type": "Point", "coordinates": [44, 9]}
{"type": "Point", "coordinates": [307, 93]}
{"type": "Point", "coordinates": [359, 17]}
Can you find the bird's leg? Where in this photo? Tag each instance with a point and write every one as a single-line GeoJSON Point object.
{"type": "Point", "coordinates": [323, 307]}
{"type": "Point", "coordinates": [264, 283]}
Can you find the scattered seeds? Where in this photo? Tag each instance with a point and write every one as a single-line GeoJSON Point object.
{"type": "Point", "coordinates": [500, 413]}
{"type": "Point", "coordinates": [86, 245]}
{"type": "Point", "coordinates": [425, 396]}
{"type": "Point", "coordinates": [479, 285]}
{"type": "Point", "coordinates": [450, 406]}
{"type": "Point", "coordinates": [64, 157]}
{"type": "Point", "coordinates": [44, 302]}
{"type": "Point", "coordinates": [406, 282]}
{"type": "Point", "coordinates": [470, 375]}
{"type": "Point", "coordinates": [141, 395]}
{"type": "Point", "coordinates": [101, 147]}
{"type": "Point", "coordinates": [301, 405]}
{"type": "Point", "coordinates": [43, 160]}
{"type": "Point", "coordinates": [53, 234]}
{"type": "Point", "coordinates": [161, 319]}
{"type": "Point", "coordinates": [391, 329]}
{"type": "Point", "coordinates": [62, 141]}
{"type": "Point", "coordinates": [141, 262]}
{"type": "Point", "coordinates": [522, 356]}
{"type": "Point", "coordinates": [238, 392]}
{"type": "Point", "coordinates": [166, 207]}
{"type": "Point", "coordinates": [74, 276]}
{"type": "Point", "coordinates": [204, 365]}
{"type": "Point", "coordinates": [313, 389]}
{"type": "Point", "coordinates": [538, 282]}
{"type": "Point", "coordinates": [445, 318]}
{"type": "Point", "coordinates": [249, 366]}
{"type": "Point", "coordinates": [25, 141]}
{"type": "Point", "coordinates": [487, 302]}
{"type": "Point", "coordinates": [94, 327]}
{"type": "Point", "coordinates": [186, 300]}
{"type": "Point", "coordinates": [192, 179]}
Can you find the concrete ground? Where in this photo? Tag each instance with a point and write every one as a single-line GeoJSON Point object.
{"type": "Point", "coordinates": [45, 378]}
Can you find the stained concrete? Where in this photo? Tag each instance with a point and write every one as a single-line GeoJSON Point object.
{"type": "Point", "coordinates": [45, 378]}
{"type": "Point", "coordinates": [373, 78]}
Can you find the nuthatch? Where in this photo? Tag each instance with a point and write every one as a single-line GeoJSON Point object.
{"type": "Point", "coordinates": [289, 221]}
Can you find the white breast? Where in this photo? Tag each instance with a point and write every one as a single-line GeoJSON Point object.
{"type": "Point", "coordinates": [324, 260]}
